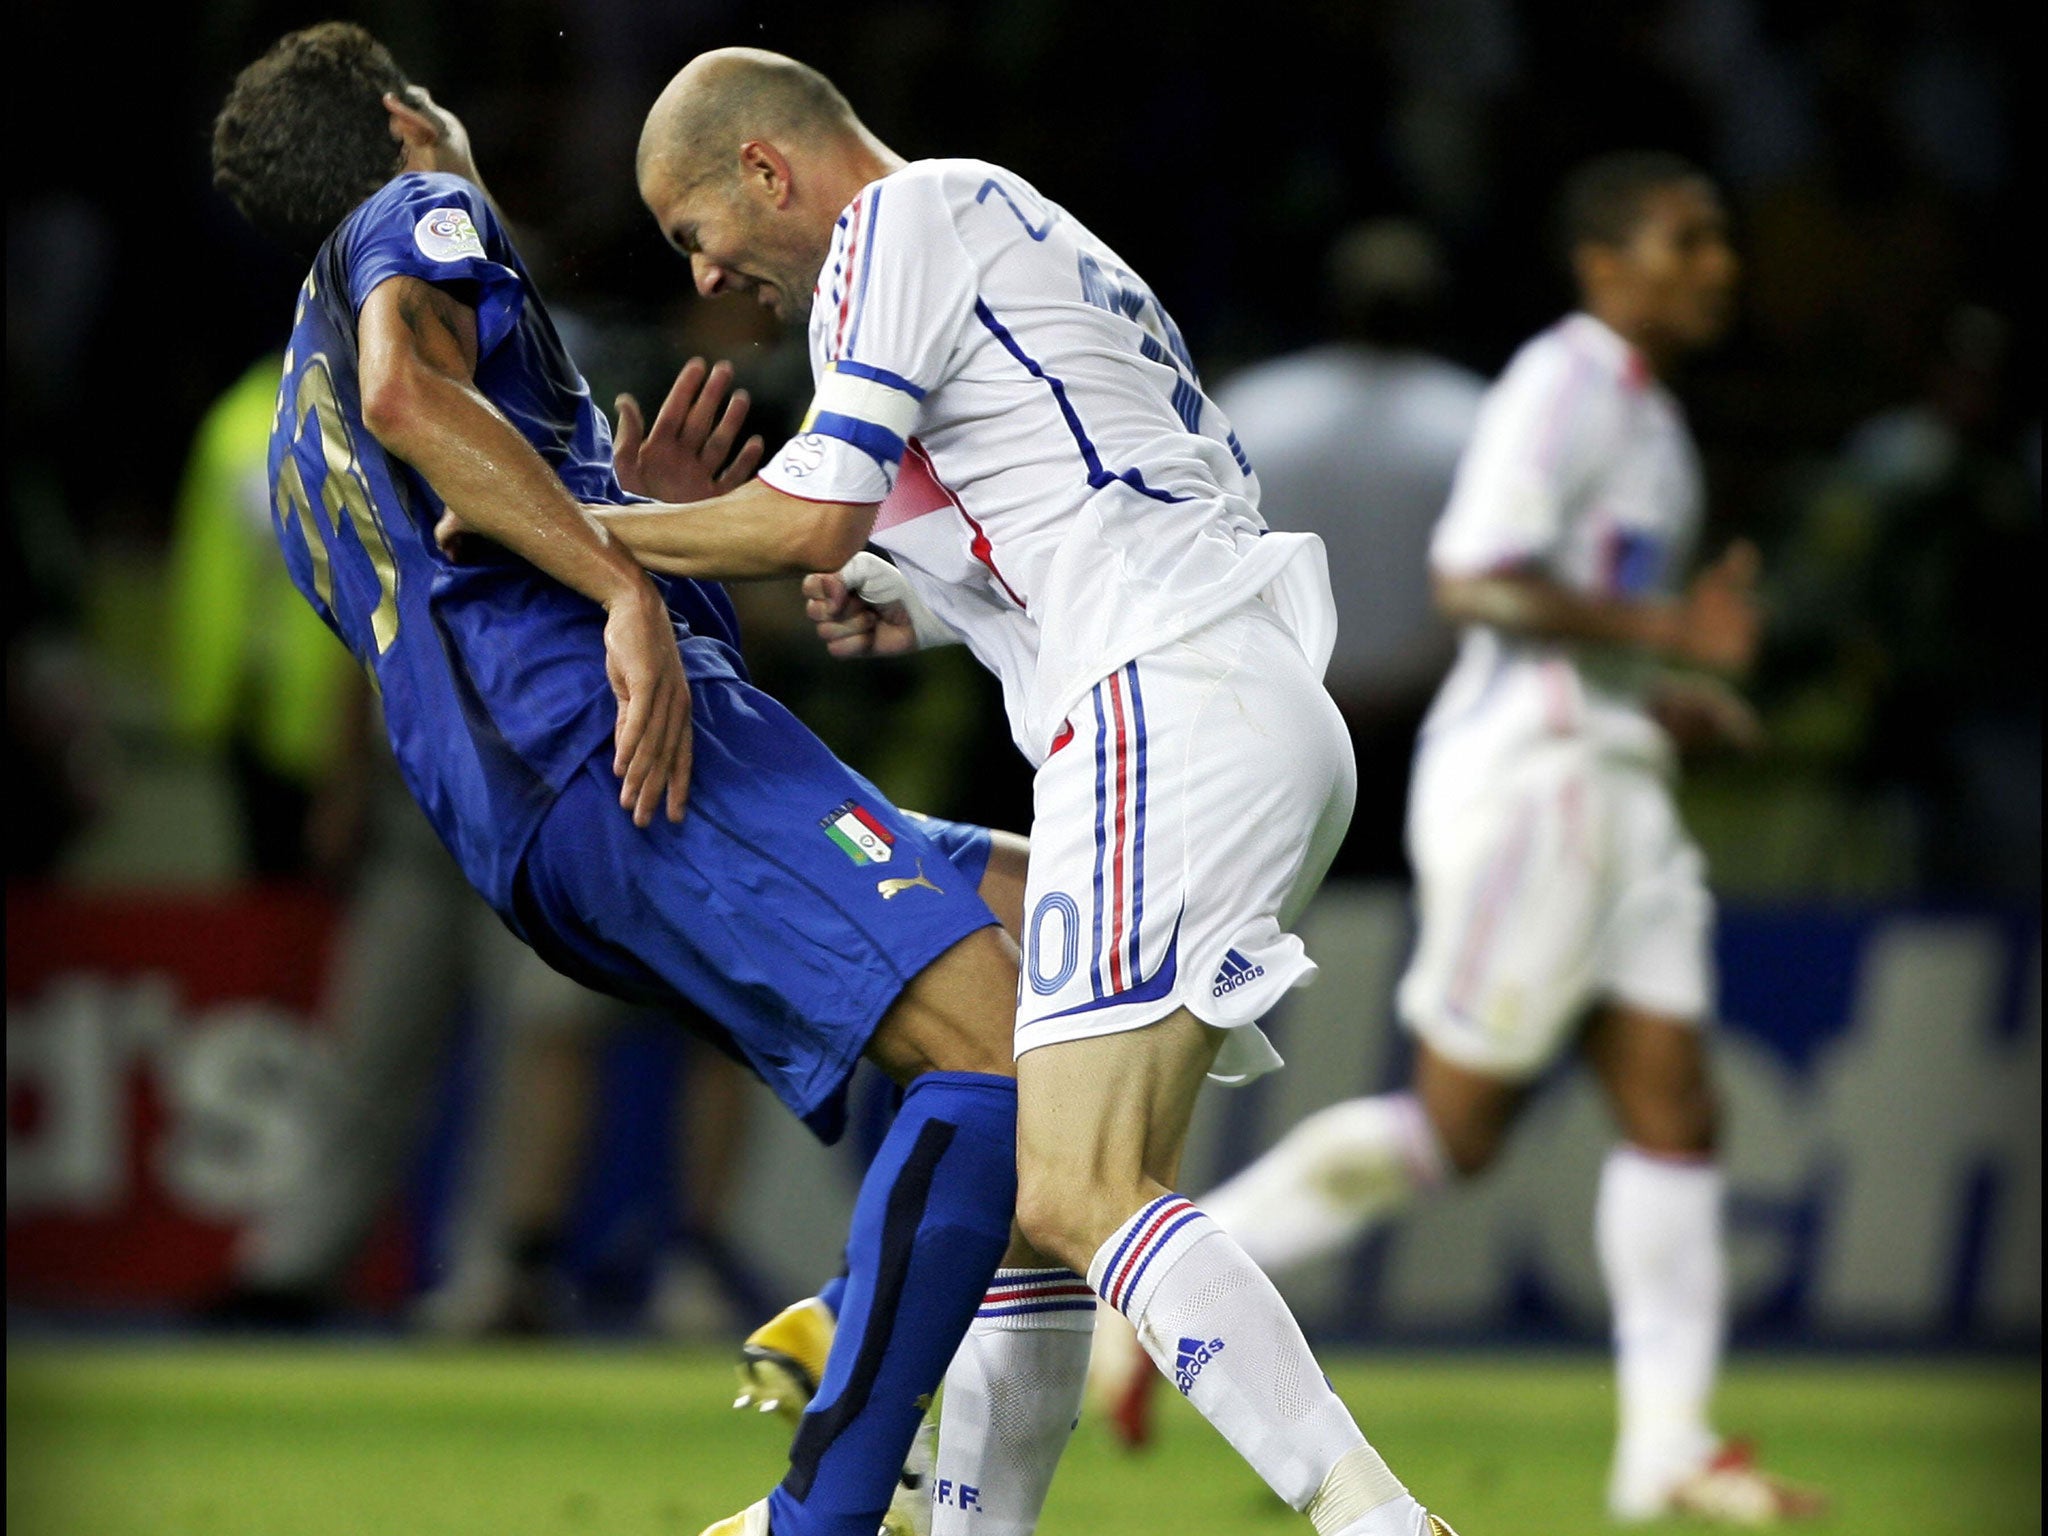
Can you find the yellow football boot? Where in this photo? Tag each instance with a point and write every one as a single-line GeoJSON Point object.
{"type": "Point", "coordinates": [751, 1521]}
{"type": "Point", "coordinates": [783, 1360]}
{"type": "Point", "coordinates": [910, 1514]}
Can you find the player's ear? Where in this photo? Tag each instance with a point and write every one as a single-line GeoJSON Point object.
{"type": "Point", "coordinates": [413, 123]}
{"type": "Point", "coordinates": [765, 168]}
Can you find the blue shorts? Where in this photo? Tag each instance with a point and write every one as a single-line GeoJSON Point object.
{"type": "Point", "coordinates": [792, 905]}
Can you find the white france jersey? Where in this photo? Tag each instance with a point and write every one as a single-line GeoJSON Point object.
{"type": "Point", "coordinates": [1052, 479]}
{"type": "Point", "coordinates": [1580, 469]}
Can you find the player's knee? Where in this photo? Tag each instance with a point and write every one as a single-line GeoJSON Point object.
{"type": "Point", "coordinates": [1675, 1119]}
{"type": "Point", "coordinates": [1044, 1220]}
{"type": "Point", "coordinates": [1471, 1147]}
{"type": "Point", "coordinates": [1066, 1211]}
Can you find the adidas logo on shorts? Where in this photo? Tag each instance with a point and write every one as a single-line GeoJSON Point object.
{"type": "Point", "coordinates": [1188, 1360]}
{"type": "Point", "coordinates": [1235, 973]}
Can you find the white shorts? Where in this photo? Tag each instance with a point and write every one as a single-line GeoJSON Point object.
{"type": "Point", "coordinates": [1175, 833]}
{"type": "Point", "coordinates": [1567, 880]}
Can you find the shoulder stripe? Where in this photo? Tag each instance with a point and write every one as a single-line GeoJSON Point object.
{"type": "Point", "coordinates": [852, 256]}
{"type": "Point", "coordinates": [867, 265]}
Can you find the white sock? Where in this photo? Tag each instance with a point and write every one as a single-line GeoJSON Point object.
{"type": "Point", "coordinates": [1658, 1228]}
{"type": "Point", "coordinates": [1012, 1395]}
{"type": "Point", "coordinates": [1327, 1178]}
{"type": "Point", "coordinates": [1212, 1321]}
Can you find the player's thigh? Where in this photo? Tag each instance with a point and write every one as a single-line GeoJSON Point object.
{"type": "Point", "coordinates": [958, 1014]}
{"type": "Point", "coordinates": [1171, 829]}
{"type": "Point", "coordinates": [1654, 1070]}
{"type": "Point", "coordinates": [1470, 1110]}
{"type": "Point", "coordinates": [793, 905]}
{"type": "Point", "coordinates": [1513, 894]}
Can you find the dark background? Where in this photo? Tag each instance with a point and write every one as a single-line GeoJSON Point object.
{"type": "Point", "coordinates": [1875, 155]}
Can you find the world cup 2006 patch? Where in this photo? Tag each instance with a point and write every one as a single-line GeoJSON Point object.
{"type": "Point", "coordinates": [859, 835]}
{"type": "Point", "coordinates": [446, 234]}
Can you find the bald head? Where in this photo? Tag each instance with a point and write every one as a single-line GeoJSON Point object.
{"type": "Point", "coordinates": [725, 98]}
{"type": "Point", "coordinates": [746, 162]}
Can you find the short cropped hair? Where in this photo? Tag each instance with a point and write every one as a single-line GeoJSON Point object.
{"type": "Point", "coordinates": [304, 135]}
{"type": "Point", "coordinates": [1603, 199]}
{"type": "Point", "coordinates": [755, 93]}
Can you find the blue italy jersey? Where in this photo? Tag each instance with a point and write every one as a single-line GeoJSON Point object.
{"type": "Point", "coordinates": [492, 674]}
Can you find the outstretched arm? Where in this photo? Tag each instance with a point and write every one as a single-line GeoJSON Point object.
{"type": "Point", "coordinates": [750, 533]}
{"type": "Point", "coordinates": [1714, 625]}
{"type": "Point", "coordinates": [418, 346]}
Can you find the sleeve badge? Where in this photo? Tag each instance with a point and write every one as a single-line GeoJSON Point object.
{"type": "Point", "coordinates": [446, 234]}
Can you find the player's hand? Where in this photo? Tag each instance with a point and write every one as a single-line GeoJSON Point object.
{"type": "Point", "coordinates": [850, 625]}
{"type": "Point", "coordinates": [651, 752]}
{"type": "Point", "coordinates": [1702, 713]}
{"type": "Point", "coordinates": [453, 538]}
{"type": "Point", "coordinates": [687, 454]}
{"type": "Point", "coordinates": [1719, 621]}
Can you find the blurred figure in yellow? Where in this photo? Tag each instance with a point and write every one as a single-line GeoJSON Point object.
{"type": "Point", "coordinates": [254, 675]}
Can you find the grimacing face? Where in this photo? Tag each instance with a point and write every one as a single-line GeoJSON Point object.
{"type": "Point", "coordinates": [736, 241]}
{"type": "Point", "coordinates": [1681, 264]}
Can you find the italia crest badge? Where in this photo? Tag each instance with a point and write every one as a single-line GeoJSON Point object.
{"type": "Point", "coordinates": [858, 834]}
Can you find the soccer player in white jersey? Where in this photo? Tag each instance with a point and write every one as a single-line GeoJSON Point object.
{"type": "Point", "coordinates": [1562, 905]}
{"type": "Point", "coordinates": [1006, 408]}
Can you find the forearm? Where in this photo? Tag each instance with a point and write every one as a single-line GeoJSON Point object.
{"type": "Point", "coordinates": [495, 482]}
{"type": "Point", "coordinates": [750, 533]}
{"type": "Point", "coordinates": [1543, 609]}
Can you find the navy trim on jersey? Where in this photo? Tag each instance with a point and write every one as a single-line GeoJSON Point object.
{"type": "Point", "coordinates": [1237, 452]}
{"type": "Point", "coordinates": [1098, 477]}
{"type": "Point", "coordinates": [869, 371]}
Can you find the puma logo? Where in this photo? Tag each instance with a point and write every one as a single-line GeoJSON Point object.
{"type": "Point", "coordinates": [891, 889]}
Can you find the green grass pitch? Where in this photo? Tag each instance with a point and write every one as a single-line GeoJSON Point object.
{"type": "Point", "coordinates": [348, 1440]}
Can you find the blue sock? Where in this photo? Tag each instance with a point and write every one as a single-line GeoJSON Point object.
{"type": "Point", "coordinates": [929, 1228]}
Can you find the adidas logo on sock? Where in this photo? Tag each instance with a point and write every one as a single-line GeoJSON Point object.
{"type": "Point", "coordinates": [1235, 973]}
{"type": "Point", "coordinates": [1188, 1360]}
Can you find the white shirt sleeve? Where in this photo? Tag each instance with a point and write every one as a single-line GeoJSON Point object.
{"type": "Point", "coordinates": [1527, 466]}
{"type": "Point", "coordinates": [900, 288]}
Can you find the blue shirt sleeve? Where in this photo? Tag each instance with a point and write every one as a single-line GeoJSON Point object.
{"type": "Point", "coordinates": [441, 230]}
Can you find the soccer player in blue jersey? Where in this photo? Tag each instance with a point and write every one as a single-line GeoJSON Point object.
{"type": "Point", "coordinates": [584, 738]}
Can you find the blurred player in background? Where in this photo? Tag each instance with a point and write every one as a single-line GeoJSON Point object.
{"type": "Point", "coordinates": [1007, 409]}
{"type": "Point", "coordinates": [1562, 905]}
{"type": "Point", "coordinates": [521, 685]}
{"type": "Point", "coordinates": [1356, 442]}
{"type": "Point", "coordinates": [255, 678]}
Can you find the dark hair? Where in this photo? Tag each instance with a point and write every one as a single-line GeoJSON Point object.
{"type": "Point", "coordinates": [304, 136]}
{"type": "Point", "coordinates": [1603, 199]}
